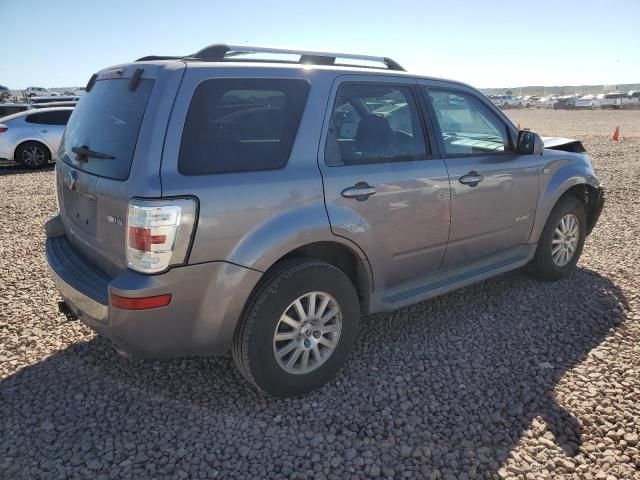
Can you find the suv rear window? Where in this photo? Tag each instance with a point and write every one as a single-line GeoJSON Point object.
{"type": "Point", "coordinates": [107, 119]}
{"type": "Point", "coordinates": [241, 125]}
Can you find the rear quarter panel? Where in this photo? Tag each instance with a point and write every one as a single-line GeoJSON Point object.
{"type": "Point", "coordinates": [254, 218]}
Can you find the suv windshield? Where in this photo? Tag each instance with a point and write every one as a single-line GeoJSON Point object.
{"type": "Point", "coordinates": [107, 119]}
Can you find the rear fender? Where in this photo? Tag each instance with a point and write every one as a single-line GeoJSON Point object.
{"type": "Point", "coordinates": [269, 242]}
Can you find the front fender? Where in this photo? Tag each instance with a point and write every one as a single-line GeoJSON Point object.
{"type": "Point", "coordinates": [270, 241]}
{"type": "Point", "coordinates": [559, 172]}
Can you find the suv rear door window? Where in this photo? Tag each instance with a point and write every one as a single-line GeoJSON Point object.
{"type": "Point", "coordinates": [374, 123]}
{"type": "Point", "coordinates": [107, 119]}
{"type": "Point", "coordinates": [50, 118]}
{"type": "Point", "coordinates": [467, 126]}
{"type": "Point", "coordinates": [238, 125]}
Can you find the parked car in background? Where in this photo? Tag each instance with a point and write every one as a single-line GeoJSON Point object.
{"type": "Point", "coordinates": [4, 92]}
{"type": "Point", "coordinates": [32, 138]}
{"type": "Point", "coordinates": [566, 102]}
{"type": "Point", "coordinates": [56, 98]}
{"type": "Point", "coordinates": [198, 215]}
{"type": "Point", "coordinates": [53, 104]}
{"type": "Point", "coordinates": [505, 101]}
{"type": "Point", "coordinates": [546, 102]}
{"type": "Point", "coordinates": [529, 101]}
{"type": "Point", "coordinates": [39, 92]}
{"type": "Point", "coordinates": [612, 100]}
{"type": "Point", "coordinates": [7, 109]}
{"type": "Point", "coordinates": [631, 100]}
{"type": "Point", "coordinates": [588, 101]}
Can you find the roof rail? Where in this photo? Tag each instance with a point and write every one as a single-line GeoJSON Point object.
{"type": "Point", "coordinates": [220, 52]}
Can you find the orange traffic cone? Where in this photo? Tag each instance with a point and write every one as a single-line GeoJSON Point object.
{"type": "Point", "coordinates": [616, 134]}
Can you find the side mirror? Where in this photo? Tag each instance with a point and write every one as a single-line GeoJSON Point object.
{"type": "Point", "coordinates": [530, 143]}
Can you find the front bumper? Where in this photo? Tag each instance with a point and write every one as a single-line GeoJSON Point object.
{"type": "Point", "coordinates": [206, 304]}
{"type": "Point", "coordinates": [596, 209]}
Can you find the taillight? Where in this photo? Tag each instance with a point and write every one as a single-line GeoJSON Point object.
{"type": "Point", "coordinates": [159, 233]}
{"type": "Point", "coordinates": [3, 128]}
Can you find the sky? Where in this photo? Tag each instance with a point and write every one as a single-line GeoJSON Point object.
{"type": "Point", "coordinates": [490, 43]}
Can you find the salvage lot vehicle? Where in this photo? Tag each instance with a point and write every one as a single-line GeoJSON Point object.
{"type": "Point", "coordinates": [612, 100]}
{"type": "Point", "coordinates": [546, 102]}
{"type": "Point", "coordinates": [588, 101]}
{"type": "Point", "coordinates": [32, 137]}
{"type": "Point", "coordinates": [4, 92]}
{"type": "Point", "coordinates": [505, 101]}
{"type": "Point", "coordinates": [68, 103]}
{"type": "Point", "coordinates": [565, 102]}
{"type": "Point", "coordinates": [7, 109]}
{"type": "Point", "coordinates": [39, 92]}
{"type": "Point", "coordinates": [54, 99]}
{"type": "Point", "coordinates": [280, 200]}
{"type": "Point", "coordinates": [528, 101]}
{"type": "Point", "coordinates": [632, 99]}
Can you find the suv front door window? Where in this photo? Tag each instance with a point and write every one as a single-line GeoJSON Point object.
{"type": "Point", "coordinates": [496, 213]}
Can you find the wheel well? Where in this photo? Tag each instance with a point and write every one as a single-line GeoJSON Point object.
{"type": "Point", "coordinates": [340, 257]}
{"type": "Point", "coordinates": [31, 141]}
{"type": "Point", "coordinates": [588, 195]}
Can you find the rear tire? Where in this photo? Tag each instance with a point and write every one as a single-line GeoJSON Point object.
{"type": "Point", "coordinates": [561, 242]}
{"type": "Point", "coordinates": [32, 155]}
{"type": "Point", "coordinates": [284, 344]}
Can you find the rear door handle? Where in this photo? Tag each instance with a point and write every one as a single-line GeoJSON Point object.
{"type": "Point", "coordinates": [472, 179]}
{"type": "Point", "coordinates": [360, 191]}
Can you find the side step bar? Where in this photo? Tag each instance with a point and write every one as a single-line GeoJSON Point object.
{"type": "Point", "coordinates": [439, 283]}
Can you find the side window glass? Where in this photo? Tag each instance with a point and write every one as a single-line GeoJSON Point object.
{"type": "Point", "coordinates": [35, 118]}
{"type": "Point", "coordinates": [236, 125]}
{"type": "Point", "coordinates": [467, 126]}
{"type": "Point", "coordinates": [374, 123]}
{"type": "Point", "coordinates": [60, 117]}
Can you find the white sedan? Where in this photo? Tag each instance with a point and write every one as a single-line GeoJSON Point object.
{"type": "Point", "coordinates": [588, 101]}
{"type": "Point", "coordinates": [31, 138]}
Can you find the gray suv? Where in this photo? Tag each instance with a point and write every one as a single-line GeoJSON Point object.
{"type": "Point", "coordinates": [262, 201]}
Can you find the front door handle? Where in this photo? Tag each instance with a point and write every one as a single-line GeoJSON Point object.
{"type": "Point", "coordinates": [472, 179]}
{"type": "Point", "coordinates": [42, 130]}
{"type": "Point", "coordinates": [360, 191]}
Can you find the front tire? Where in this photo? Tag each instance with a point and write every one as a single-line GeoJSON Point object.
{"type": "Point", "coordinates": [561, 242]}
{"type": "Point", "coordinates": [298, 328]}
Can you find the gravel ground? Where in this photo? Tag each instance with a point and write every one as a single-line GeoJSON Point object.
{"type": "Point", "coordinates": [508, 378]}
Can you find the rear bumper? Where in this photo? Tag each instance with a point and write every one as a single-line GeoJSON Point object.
{"type": "Point", "coordinates": [207, 301]}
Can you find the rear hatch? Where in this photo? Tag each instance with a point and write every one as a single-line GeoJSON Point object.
{"type": "Point", "coordinates": [110, 153]}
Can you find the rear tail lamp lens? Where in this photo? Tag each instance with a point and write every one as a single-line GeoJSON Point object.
{"type": "Point", "coordinates": [159, 233]}
{"type": "Point", "coordinates": [3, 128]}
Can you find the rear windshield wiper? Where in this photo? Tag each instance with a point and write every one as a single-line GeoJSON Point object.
{"type": "Point", "coordinates": [84, 153]}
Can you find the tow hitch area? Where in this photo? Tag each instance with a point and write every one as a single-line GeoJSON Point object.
{"type": "Point", "coordinates": [67, 312]}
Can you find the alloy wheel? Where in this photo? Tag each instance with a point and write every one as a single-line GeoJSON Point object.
{"type": "Point", "coordinates": [565, 240]}
{"type": "Point", "coordinates": [307, 333]}
{"type": "Point", "coordinates": [32, 156]}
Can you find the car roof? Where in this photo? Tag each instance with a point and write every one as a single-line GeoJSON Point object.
{"type": "Point", "coordinates": [338, 69]}
{"type": "Point", "coordinates": [32, 111]}
{"type": "Point", "coordinates": [223, 55]}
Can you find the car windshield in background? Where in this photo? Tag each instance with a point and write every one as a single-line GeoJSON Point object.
{"type": "Point", "coordinates": [107, 119]}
